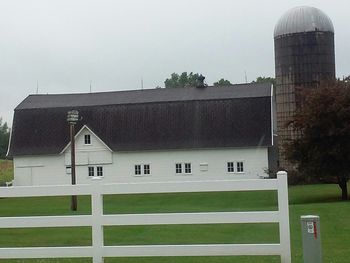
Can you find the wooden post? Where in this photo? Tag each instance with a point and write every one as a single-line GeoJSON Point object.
{"type": "Point", "coordinates": [74, 201]}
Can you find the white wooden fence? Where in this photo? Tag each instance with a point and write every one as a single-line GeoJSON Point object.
{"type": "Point", "coordinates": [97, 220]}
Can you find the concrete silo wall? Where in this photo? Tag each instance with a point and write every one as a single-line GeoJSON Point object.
{"type": "Point", "coordinates": [302, 60]}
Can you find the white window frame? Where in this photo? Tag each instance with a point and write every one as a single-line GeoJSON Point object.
{"type": "Point", "coordinates": [146, 169]}
{"type": "Point", "coordinates": [186, 168]}
{"type": "Point", "coordinates": [237, 170]}
{"type": "Point", "coordinates": [183, 168]}
{"type": "Point", "coordinates": [142, 169]}
{"type": "Point", "coordinates": [236, 166]}
{"type": "Point", "coordinates": [91, 171]}
{"type": "Point", "coordinates": [178, 168]}
{"type": "Point", "coordinates": [99, 173]}
{"type": "Point", "coordinates": [89, 139]}
{"type": "Point", "coordinates": [228, 167]}
{"type": "Point", "coordinates": [137, 170]}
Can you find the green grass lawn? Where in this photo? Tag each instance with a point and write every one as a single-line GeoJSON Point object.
{"type": "Point", "coordinates": [6, 171]}
{"type": "Point", "coordinates": [321, 200]}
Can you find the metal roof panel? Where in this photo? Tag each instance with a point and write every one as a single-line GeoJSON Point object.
{"type": "Point", "coordinates": [303, 19]}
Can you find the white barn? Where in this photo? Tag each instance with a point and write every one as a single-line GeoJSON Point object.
{"type": "Point", "coordinates": [145, 135]}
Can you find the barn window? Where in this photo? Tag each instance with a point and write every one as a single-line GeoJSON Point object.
{"type": "Point", "coordinates": [183, 168]}
{"type": "Point", "coordinates": [142, 169]}
{"type": "Point", "coordinates": [87, 139]}
{"type": "Point", "coordinates": [178, 168]}
{"type": "Point", "coordinates": [146, 169]}
{"type": "Point", "coordinates": [188, 168]}
{"type": "Point", "coordinates": [91, 171]}
{"type": "Point", "coordinates": [230, 167]}
{"type": "Point", "coordinates": [240, 167]}
{"type": "Point", "coordinates": [99, 171]}
{"type": "Point", "coordinates": [138, 169]}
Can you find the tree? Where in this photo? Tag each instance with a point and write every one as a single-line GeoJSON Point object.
{"type": "Point", "coordinates": [4, 138]}
{"type": "Point", "coordinates": [322, 149]}
{"type": "Point", "coordinates": [222, 82]}
{"type": "Point", "coordinates": [183, 80]}
{"type": "Point", "coordinates": [265, 80]}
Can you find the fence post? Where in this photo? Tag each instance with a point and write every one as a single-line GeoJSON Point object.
{"type": "Point", "coordinates": [283, 209]}
{"type": "Point", "coordinates": [311, 233]}
{"type": "Point", "coordinates": [97, 228]}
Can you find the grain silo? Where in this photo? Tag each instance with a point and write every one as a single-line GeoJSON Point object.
{"type": "Point", "coordinates": [304, 56]}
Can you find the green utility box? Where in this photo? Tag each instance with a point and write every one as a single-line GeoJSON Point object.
{"type": "Point", "coordinates": [311, 232]}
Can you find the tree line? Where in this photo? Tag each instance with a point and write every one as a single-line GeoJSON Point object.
{"type": "Point", "coordinates": [4, 138]}
{"type": "Point", "coordinates": [192, 80]}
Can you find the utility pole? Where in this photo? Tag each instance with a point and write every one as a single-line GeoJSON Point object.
{"type": "Point", "coordinates": [72, 118]}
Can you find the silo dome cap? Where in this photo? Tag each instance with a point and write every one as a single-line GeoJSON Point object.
{"type": "Point", "coordinates": [303, 19]}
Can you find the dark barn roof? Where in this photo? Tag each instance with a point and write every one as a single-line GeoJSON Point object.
{"type": "Point", "coordinates": [155, 119]}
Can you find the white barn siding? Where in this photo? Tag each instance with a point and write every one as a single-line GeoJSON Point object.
{"type": "Point", "coordinates": [163, 164]}
{"type": "Point", "coordinates": [48, 170]}
{"type": "Point", "coordinates": [40, 170]}
{"type": "Point", "coordinates": [95, 153]}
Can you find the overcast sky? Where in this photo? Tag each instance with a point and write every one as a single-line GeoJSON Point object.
{"type": "Point", "coordinates": [65, 44]}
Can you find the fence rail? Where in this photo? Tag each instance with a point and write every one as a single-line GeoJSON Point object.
{"type": "Point", "coordinates": [97, 220]}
